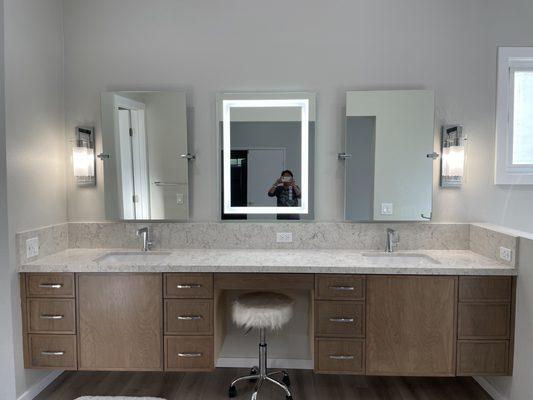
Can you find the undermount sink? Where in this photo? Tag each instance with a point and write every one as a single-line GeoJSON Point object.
{"type": "Point", "coordinates": [402, 258]}
{"type": "Point", "coordinates": [133, 256]}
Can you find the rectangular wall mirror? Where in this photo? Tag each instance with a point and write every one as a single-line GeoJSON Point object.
{"type": "Point", "coordinates": [267, 146]}
{"type": "Point", "coordinates": [144, 137]}
{"type": "Point", "coordinates": [389, 155]}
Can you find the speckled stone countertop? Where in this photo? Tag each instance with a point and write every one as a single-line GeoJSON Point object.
{"type": "Point", "coordinates": [428, 262]}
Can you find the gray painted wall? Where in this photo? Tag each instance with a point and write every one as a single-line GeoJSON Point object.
{"type": "Point", "coordinates": [35, 138]}
{"type": "Point", "coordinates": [214, 46]}
{"type": "Point", "coordinates": [7, 366]}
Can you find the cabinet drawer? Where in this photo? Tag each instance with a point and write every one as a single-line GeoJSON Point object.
{"type": "Point", "coordinates": [189, 286]}
{"type": "Point", "coordinates": [187, 353]}
{"type": "Point", "coordinates": [339, 318]}
{"type": "Point", "coordinates": [339, 356]}
{"type": "Point", "coordinates": [189, 317]}
{"type": "Point", "coordinates": [50, 285]}
{"type": "Point", "coordinates": [482, 357]}
{"type": "Point", "coordinates": [485, 288]}
{"type": "Point", "coordinates": [53, 351]}
{"type": "Point", "coordinates": [484, 321]}
{"type": "Point", "coordinates": [340, 287]}
{"type": "Point", "coordinates": [51, 316]}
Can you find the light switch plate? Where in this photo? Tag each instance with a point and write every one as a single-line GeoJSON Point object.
{"type": "Point", "coordinates": [387, 208]}
{"type": "Point", "coordinates": [506, 254]}
{"type": "Point", "coordinates": [32, 247]}
{"type": "Point", "coordinates": [284, 237]}
{"type": "Point", "coordinates": [179, 198]}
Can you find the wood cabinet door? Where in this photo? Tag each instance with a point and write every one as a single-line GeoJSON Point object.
{"type": "Point", "coordinates": [120, 321]}
{"type": "Point", "coordinates": [411, 325]}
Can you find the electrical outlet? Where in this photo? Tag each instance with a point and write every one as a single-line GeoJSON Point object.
{"type": "Point", "coordinates": [284, 237]}
{"type": "Point", "coordinates": [387, 208]}
{"type": "Point", "coordinates": [179, 198]}
{"type": "Point", "coordinates": [32, 247]}
{"type": "Point", "coordinates": [506, 254]}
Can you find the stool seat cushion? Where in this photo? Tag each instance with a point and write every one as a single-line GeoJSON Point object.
{"type": "Point", "coordinates": [262, 310]}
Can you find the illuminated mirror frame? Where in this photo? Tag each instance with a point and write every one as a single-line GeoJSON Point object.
{"type": "Point", "coordinates": [303, 104]}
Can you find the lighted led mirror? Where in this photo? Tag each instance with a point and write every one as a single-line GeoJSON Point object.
{"type": "Point", "coordinates": [267, 155]}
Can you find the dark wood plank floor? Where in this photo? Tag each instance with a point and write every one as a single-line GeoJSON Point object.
{"type": "Point", "coordinates": [213, 386]}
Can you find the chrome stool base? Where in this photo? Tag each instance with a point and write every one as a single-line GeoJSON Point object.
{"type": "Point", "coordinates": [263, 375]}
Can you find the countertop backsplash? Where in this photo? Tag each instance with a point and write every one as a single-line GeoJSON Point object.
{"type": "Point", "coordinates": [233, 235]}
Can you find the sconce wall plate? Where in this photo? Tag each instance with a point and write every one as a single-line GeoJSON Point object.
{"type": "Point", "coordinates": [453, 156]}
{"type": "Point", "coordinates": [83, 157]}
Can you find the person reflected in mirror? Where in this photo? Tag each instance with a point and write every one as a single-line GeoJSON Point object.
{"type": "Point", "coordinates": [287, 193]}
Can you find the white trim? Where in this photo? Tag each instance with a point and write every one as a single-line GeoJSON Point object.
{"type": "Point", "coordinates": [245, 362]}
{"type": "Point", "coordinates": [227, 105]}
{"type": "Point", "coordinates": [505, 173]}
{"type": "Point", "coordinates": [38, 387]}
{"type": "Point", "coordinates": [489, 388]}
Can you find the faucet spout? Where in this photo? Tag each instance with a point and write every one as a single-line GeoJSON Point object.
{"type": "Point", "coordinates": [393, 240]}
{"type": "Point", "coordinates": [144, 233]}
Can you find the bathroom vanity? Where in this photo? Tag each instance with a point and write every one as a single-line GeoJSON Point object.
{"type": "Point", "coordinates": [424, 313]}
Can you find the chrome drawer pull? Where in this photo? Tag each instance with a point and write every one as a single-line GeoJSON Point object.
{"type": "Point", "coordinates": [51, 316]}
{"type": "Point", "coordinates": [188, 286]}
{"type": "Point", "coordinates": [51, 285]}
{"type": "Point", "coordinates": [53, 353]}
{"type": "Point", "coordinates": [342, 288]}
{"type": "Point", "coordinates": [189, 317]}
{"type": "Point", "coordinates": [343, 320]}
{"type": "Point", "coordinates": [190, 355]}
{"type": "Point", "coordinates": [341, 357]}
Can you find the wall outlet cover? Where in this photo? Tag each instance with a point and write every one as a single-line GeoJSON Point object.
{"type": "Point", "coordinates": [387, 208]}
{"type": "Point", "coordinates": [179, 198]}
{"type": "Point", "coordinates": [284, 237]}
{"type": "Point", "coordinates": [32, 247]}
{"type": "Point", "coordinates": [506, 254]}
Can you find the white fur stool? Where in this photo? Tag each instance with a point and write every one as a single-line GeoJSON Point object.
{"type": "Point", "coordinates": [262, 310]}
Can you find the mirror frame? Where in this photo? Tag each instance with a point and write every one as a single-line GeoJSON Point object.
{"type": "Point", "coordinates": [226, 102]}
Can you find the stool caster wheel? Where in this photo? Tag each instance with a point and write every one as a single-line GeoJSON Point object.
{"type": "Point", "coordinates": [254, 371]}
{"type": "Point", "coordinates": [286, 380]}
{"type": "Point", "coordinates": [232, 392]}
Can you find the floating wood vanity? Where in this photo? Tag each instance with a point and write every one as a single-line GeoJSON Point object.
{"type": "Point", "coordinates": [411, 325]}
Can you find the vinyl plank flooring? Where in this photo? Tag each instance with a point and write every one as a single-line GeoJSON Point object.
{"type": "Point", "coordinates": [214, 386]}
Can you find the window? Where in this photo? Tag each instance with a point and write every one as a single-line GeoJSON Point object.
{"type": "Point", "coordinates": [514, 130]}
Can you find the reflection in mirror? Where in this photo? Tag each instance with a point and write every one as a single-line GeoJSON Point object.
{"type": "Point", "coordinates": [267, 155]}
{"type": "Point", "coordinates": [389, 135]}
{"type": "Point", "coordinates": [144, 137]}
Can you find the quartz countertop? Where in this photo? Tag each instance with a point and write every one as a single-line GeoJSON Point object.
{"type": "Point", "coordinates": [431, 262]}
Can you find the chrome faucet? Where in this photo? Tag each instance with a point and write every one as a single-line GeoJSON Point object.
{"type": "Point", "coordinates": [144, 233]}
{"type": "Point", "coordinates": [393, 240]}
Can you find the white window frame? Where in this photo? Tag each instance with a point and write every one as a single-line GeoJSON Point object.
{"type": "Point", "coordinates": [510, 59]}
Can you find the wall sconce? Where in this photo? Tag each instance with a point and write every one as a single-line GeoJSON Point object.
{"type": "Point", "coordinates": [83, 158]}
{"type": "Point", "coordinates": [453, 156]}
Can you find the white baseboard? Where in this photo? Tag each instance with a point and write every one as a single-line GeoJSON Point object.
{"type": "Point", "coordinates": [489, 388]}
{"type": "Point", "coordinates": [38, 387]}
{"type": "Point", "coordinates": [272, 363]}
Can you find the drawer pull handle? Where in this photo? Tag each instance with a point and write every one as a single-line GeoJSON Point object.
{"type": "Point", "coordinates": [343, 288]}
{"type": "Point", "coordinates": [342, 320]}
{"type": "Point", "coordinates": [51, 285]}
{"type": "Point", "coordinates": [334, 357]}
{"type": "Point", "coordinates": [188, 286]}
{"type": "Point", "coordinates": [51, 316]}
{"type": "Point", "coordinates": [189, 317]}
{"type": "Point", "coordinates": [190, 355]}
{"type": "Point", "coordinates": [53, 353]}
